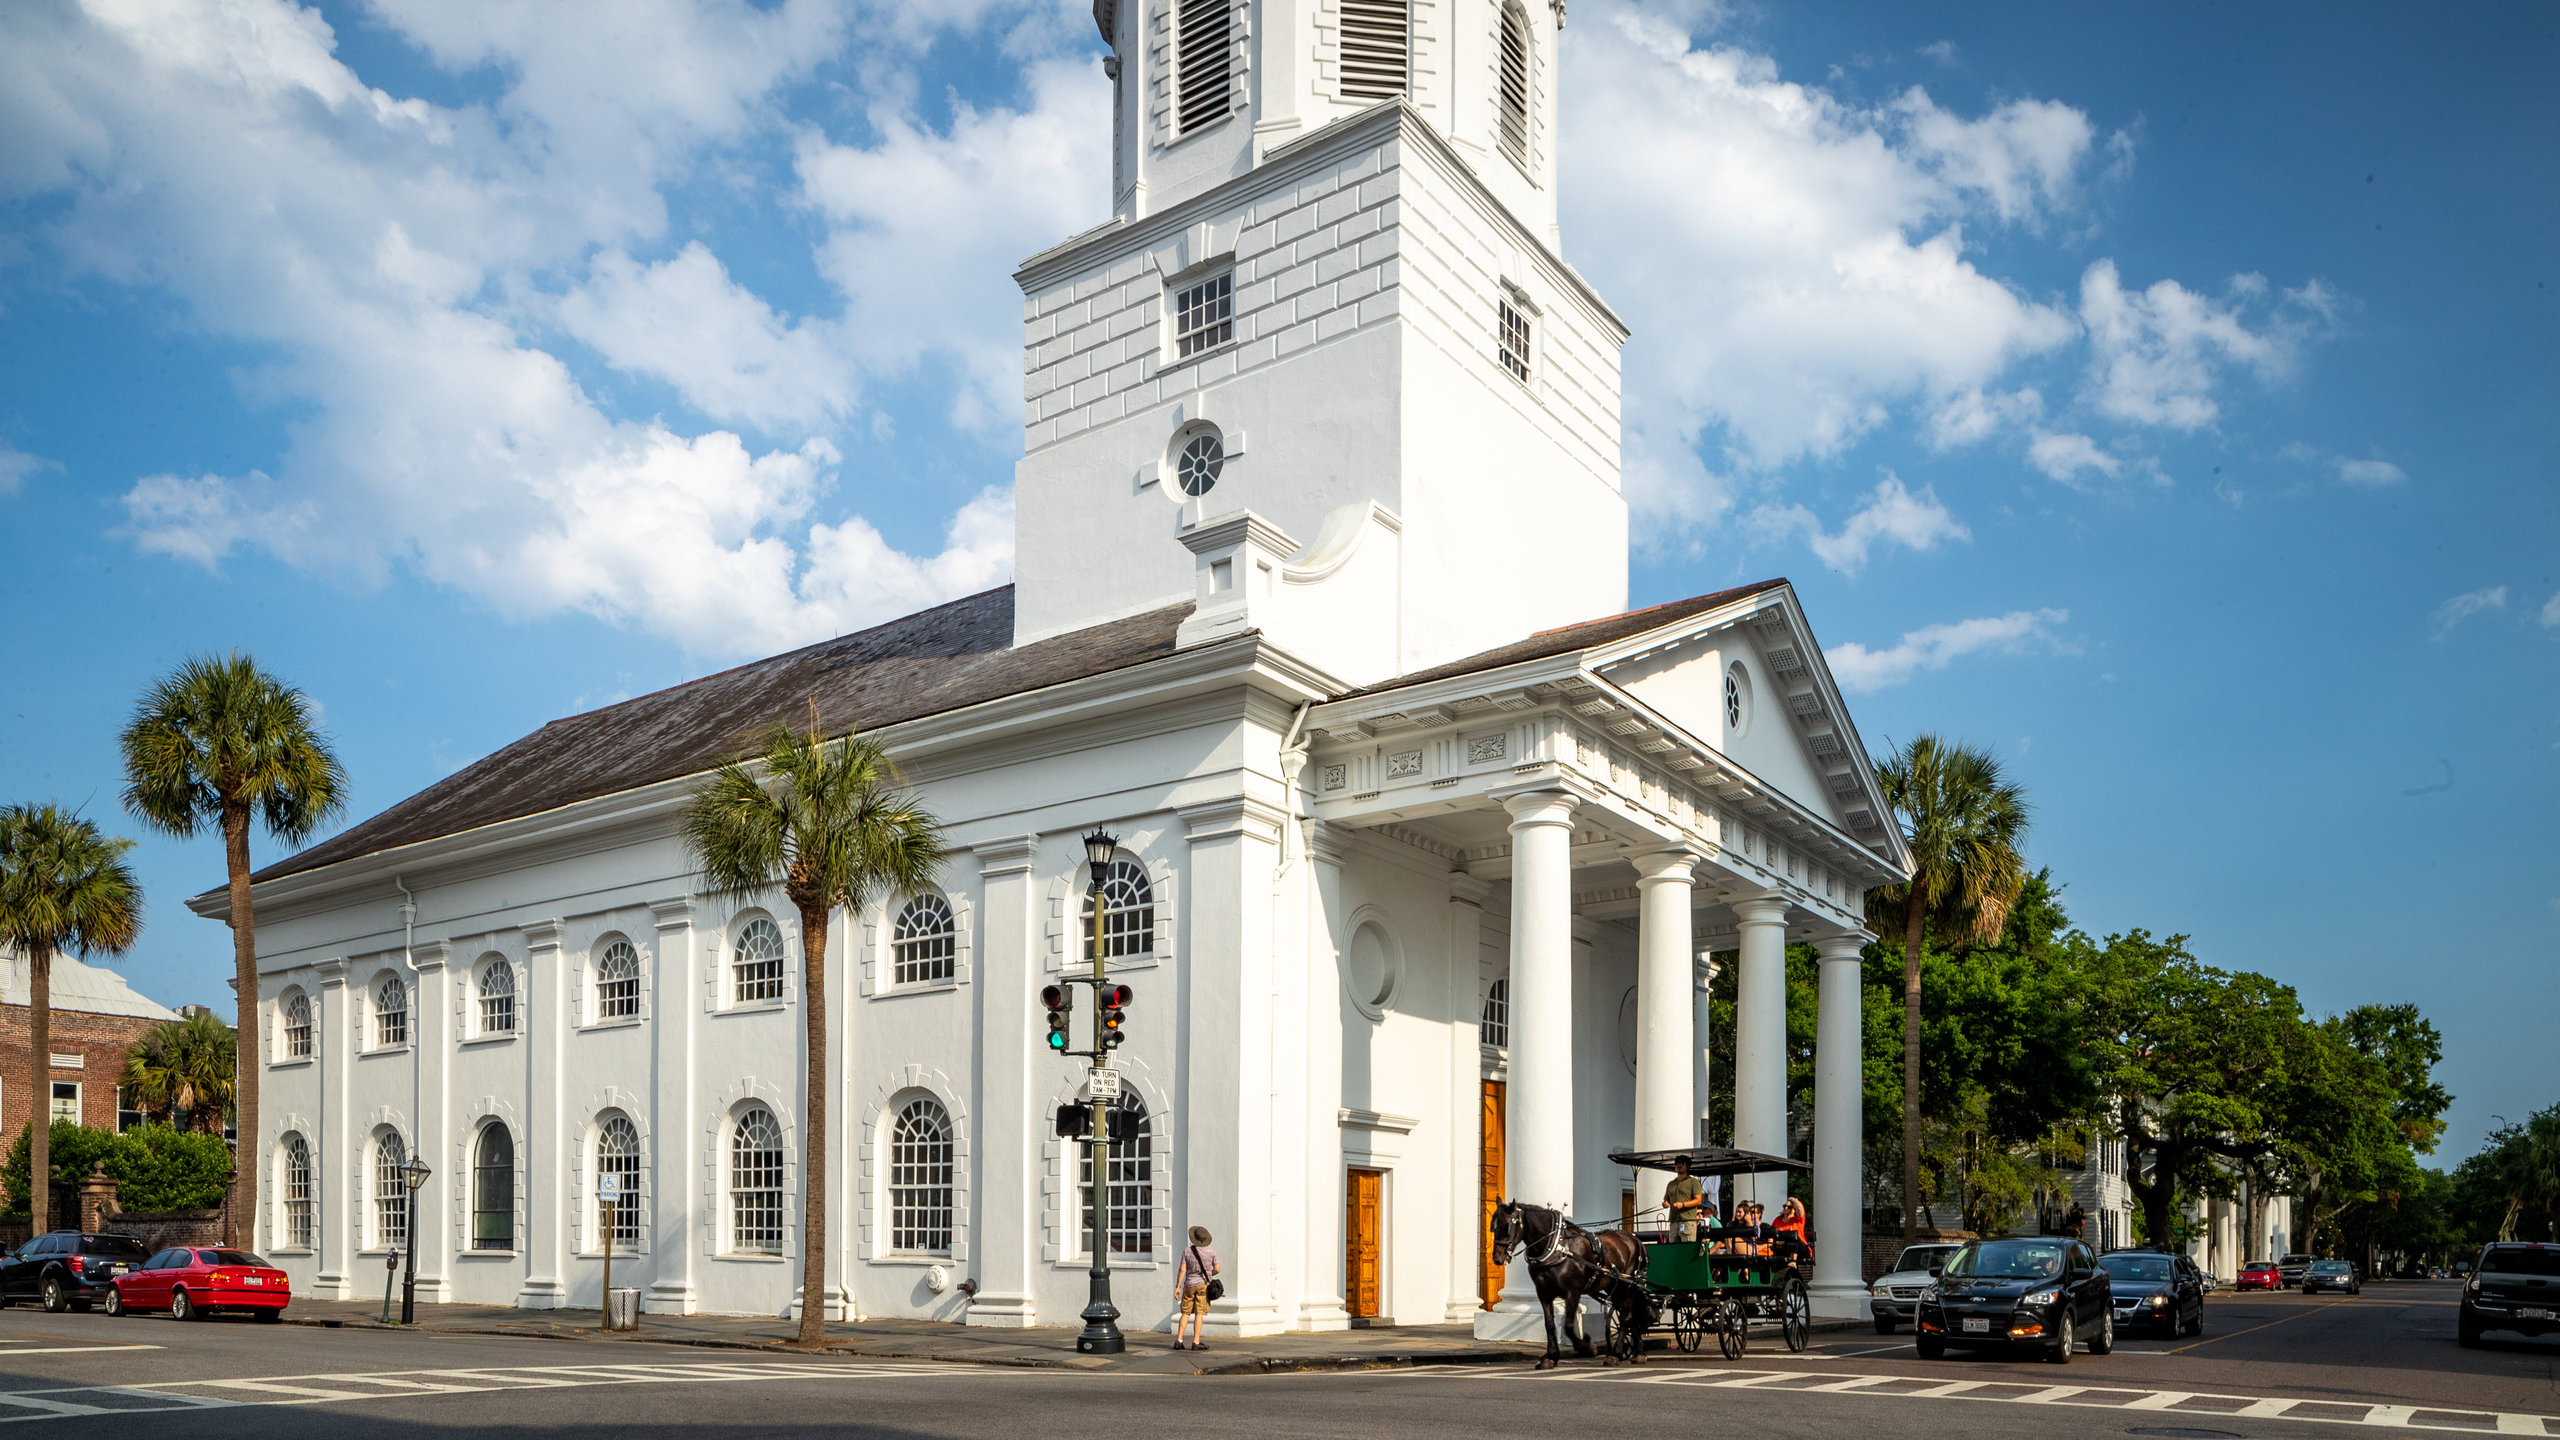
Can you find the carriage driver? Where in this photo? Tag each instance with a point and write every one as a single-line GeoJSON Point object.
{"type": "Point", "coordinates": [1685, 1199]}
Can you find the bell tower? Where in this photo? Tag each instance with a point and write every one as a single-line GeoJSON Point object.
{"type": "Point", "coordinates": [1324, 371]}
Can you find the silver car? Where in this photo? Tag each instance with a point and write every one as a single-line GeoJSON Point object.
{"type": "Point", "coordinates": [1895, 1296]}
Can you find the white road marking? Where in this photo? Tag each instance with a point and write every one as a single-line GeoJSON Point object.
{"type": "Point", "coordinates": [8, 1350]}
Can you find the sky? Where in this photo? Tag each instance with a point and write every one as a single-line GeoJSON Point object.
{"type": "Point", "coordinates": [2164, 397]}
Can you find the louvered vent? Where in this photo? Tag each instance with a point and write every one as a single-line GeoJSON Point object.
{"type": "Point", "coordinates": [1377, 49]}
{"type": "Point", "coordinates": [1201, 35]}
{"type": "Point", "coordinates": [1515, 83]}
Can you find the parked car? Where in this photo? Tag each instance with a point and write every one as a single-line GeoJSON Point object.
{"type": "Point", "coordinates": [192, 1283]}
{"type": "Point", "coordinates": [2043, 1293]}
{"type": "Point", "coordinates": [68, 1269]}
{"type": "Point", "coordinates": [2514, 1286]}
{"type": "Point", "coordinates": [2260, 1275]}
{"type": "Point", "coordinates": [2162, 1292]}
{"type": "Point", "coordinates": [2332, 1275]}
{"type": "Point", "coordinates": [1896, 1294]}
{"type": "Point", "coordinates": [2291, 1268]}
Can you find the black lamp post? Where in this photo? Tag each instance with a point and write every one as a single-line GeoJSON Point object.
{"type": "Point", "coordinates": [1101, 1333]}
{"type": "Point", "coordinates": [416, 1173]}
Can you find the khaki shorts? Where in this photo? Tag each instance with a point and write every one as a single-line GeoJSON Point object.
{"type": "Point", "coordinates": [1195, 1298]}
{"type": "Point", "coordinates": [1687, 1232]}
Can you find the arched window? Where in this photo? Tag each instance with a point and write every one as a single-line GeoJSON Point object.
{"type": "Point", "coordinates": [1130, 1203]}
{"type": "Point", "coordinates": [920, 1179]}
{"type": "Point", "coordinates": [493, 1190]}
{"type": "Point", "coordinates": [390, 1191]}
{"type": "Point", "coordinates": [755, 1184]}
{"type": "Point", "coordinates": [390, 1012]}
{"type": "Point", "coordinates": [497, 998]}
{"type": "Point", "coordinates": [1200, 41]}
{"type": "Point", "coordinates": [618, 1155]}
{"type": "Point", "coordinates": [301, 1221]}
{"type": "Point", "coordinates": [1496, 1027]}
{"type": "Point", "coordinates": [1129, 913]}
{"type": "Point", "coordinates": [757, 968]}
{"type": "Point", "coordinates": [925, 942]}
{"type": "Point", "coordinates": [1515, 82]}
{"type": "Point", "coordinates": [297, 1025]}
{"type": "Point", "coordinates": [618, 982]}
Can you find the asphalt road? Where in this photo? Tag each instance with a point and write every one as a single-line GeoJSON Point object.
{"type": "Point", "coordinates": [2267, 1366]}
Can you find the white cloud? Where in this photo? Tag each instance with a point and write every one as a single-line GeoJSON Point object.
{"type": "Point", "coordinates": [2063, 456]}
{"type": "Point", "coordinates": [2551, 613]}
{"type": "Point", "coordinates": [17, 465]}
{"type": "Point", "coordinates": [1971, 416]}
{"type": "Point", "coordinates": [2371, 474]}
{"type": "Point", "coordinates": [1892, 514]}
{"type": "Point", "coordinates": [686, 322]}
{"type": "Point", "coordinates": [2471, 602]}
{"type": "Point", "coordinates": [1935, 647]}
{"type": "Point", "coordinates": [2156, 354]}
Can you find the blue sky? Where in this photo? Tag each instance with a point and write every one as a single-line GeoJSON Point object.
{"type": "Point", "coordinates": [2166, 399]}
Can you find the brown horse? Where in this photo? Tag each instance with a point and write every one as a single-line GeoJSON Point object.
{"type": "Point", "coordinates": [1567, 1262]}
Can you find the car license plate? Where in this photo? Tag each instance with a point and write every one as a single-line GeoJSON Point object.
{"type": "Point", "coordinates": [2533, 1314]}
{"type": "Point", "coordinates": [1977, 1327]}
{"type": "Point", "coordinates": [254, 1279]}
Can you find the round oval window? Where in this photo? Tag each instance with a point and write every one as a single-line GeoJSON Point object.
{"type": "Point", "coordinates": [1201, 460]}
{"type": "Point", "coordinates": [1737, 699]}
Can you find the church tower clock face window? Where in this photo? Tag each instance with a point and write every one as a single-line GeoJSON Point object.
{"type": "Point", "coordinates": [1377, 48]}
{"type": "Point", "coordinates": [1204, 315]}
{"type": "Point", "coordinates": [1197, 467]}
{"type": "Point", "coordinates": [1515, 83]}
{"type": "Point", "coordinates": [1200, 42]}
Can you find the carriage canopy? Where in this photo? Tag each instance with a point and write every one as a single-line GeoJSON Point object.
{"type": "Point", "coordinates": [1706, 1160]}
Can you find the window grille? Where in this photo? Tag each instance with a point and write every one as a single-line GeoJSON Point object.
{"type": "Point", "coordinates": [1200, 43]}
{"type": "Point", "coordinates": [1204, 315]}
{"type": "Point", "coordinates": [390, 1192]}
{"type": "Point", "coordinates": [493, 1191]}
{"type": "Point", "coordinates": [390, 1012]}
{"type": "Point", "coordinates": [925, 943]}
{"type": "Point", "coordinates": [1377, 48]}
{"type": "Point", "coordinates": [755, 1184]}
{"type": "Point", "coordinates": [299, 1222]}
{"type": "Point", "coordinates": [66, 1100]}
{"type": "Point", "coordinates": [758, 968]}
{"type": "Point", "coordinates": [920, 1180]}
{"type": "Point", "coordinates": [1515, 83]}
{"type": "Point", "coordinates": [1496, 1027]}
{"type": "Point", "coordinates": [618, 982]}
{"type": "Point", "coordinates": [1129, 1206]}
{"type": "Point", "coordinates": [128, 1113]}
{"type": "Point", "coordinates": [618, 1153]}
{"type": "Point", "coordinates": [1129, 921]}
{"type": "Point", "coordinates": [498, 998]}
{"type": "Point", "coordinates": [297, 1026]}
{"type": "Point", "coordinates": [1197, 468]}
{"type": "Point", "coordinates": [1515, 341]}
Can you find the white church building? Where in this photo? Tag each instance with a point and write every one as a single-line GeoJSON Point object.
{"type": "Point", "coordinates": [1321, 608]}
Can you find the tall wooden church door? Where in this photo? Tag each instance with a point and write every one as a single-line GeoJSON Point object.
{"type": "Point", "coordinates": [1489, 1277]}
{"type": "Point", "coordinates": [1360, 1231]}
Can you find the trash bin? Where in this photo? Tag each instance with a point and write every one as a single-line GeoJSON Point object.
{"type": "Point", "coordinates": [622, 1308]}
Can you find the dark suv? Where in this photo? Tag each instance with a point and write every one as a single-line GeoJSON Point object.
{"type": "Point", "coordinates": [68, 1270]}
{"type": "Point", "coordinates": [2515, 1286]}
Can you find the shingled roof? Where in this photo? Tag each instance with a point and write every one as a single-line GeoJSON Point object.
{"type": "Point", "coordinates": [924, 664]}
{"type": "Point", "coordinates": [1584, 636]}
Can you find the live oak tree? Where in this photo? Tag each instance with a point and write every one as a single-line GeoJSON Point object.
{"type": "Point", "coordinates": [63, 886]}
{"type": "Point", "coordinates": [830, 824]}
{"type": "Point", "coordinates": [220, 744]}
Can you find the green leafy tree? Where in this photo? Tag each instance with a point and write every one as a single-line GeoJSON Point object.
{"type": "Point", "coordinates": [2515, 1178]}
{"type": "Point", "coordinates": [155, 1167]}
{"type": "Point", "coordinates": [830, 824]}
{"type": "Point", "coordinates": [221, 744]}
{"type": "Point", "coordinates": [1963, 824]}
{"type": "Point", "coordinates": [63, 886]}
{"type": "Point", "coordinates": [182, 1073]}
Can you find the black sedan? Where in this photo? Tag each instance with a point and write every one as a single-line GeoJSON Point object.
{"type": "Point", "coordinates": [2516, 1287]}
{"type": "Point", "coordinates": [2161, 1292]}
{"type": "Point", "coordinates": [2332, 1275]}
{"type": "Point", "coordinates": [68, 1270]}
{"type": "Point", "coordinates": [2042, 1293]}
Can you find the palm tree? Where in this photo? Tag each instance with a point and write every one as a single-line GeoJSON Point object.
{"type": "Point", "coordinates": [831, 824]}
{"type": "Point", "coordinates": [183, 1072]}
{"type": "Point", "coordinates": [1962, 823]}
{"type": "Point", "coordinates": [63, 886]}
{"type": "Point", "coordinates": [215, 744]}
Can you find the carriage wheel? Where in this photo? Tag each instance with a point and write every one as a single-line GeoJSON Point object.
{"type": "Point", "coordinates": [1625, 1340]}
{"type": "Point", "coordinates": [1796, 1319]}
{"type": "Point", "coordinates": [1733, 1329]}
{"type": "Point", "coordinates": [1689, 1324]}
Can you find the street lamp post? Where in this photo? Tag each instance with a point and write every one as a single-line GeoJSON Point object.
{"type": "Point", "coordinates": [416, 1173]}
{"type": "Point", "coordinates": [1101, 1334]}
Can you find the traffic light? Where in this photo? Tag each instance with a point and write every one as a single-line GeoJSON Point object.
{"type": "Point", "coordinates": [1060, 1000]}
{"type": "Point", "coordinates": [1114, 1000]}
{"type": "Point", "coordinates": [1075, 1121]}
{"type": "Point", "coordinates": [1124, 1124]}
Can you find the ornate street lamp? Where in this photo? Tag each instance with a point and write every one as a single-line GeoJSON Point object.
{"type": "Point", "coordinates": [1101, 1333]}
{"type": "Point", "coordinates": [416, 1173]}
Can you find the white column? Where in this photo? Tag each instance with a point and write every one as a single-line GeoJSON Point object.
{"type": "Point", "coordinates": [432, 1028]}
{"type": "Point", "coordinates": [336, 1024]}
{"type": "Point", "coordinates": [1008, 977]}
{"type": "Point", "coordinates": [1760, 1042]}
{"type": "Point", "coordinates": [1839, 1133]}
{"type": "Point", "coordinates": [542, 1014]}
{"type": "Point", "coordinates": [1228, 1165]}
{"type": "Point", "coordinates": [1666, 1106]}
{"type": "Point", "coordinates": [1321, 1306]}
{"type": "Point", "coordinates": [1466, 1092]}
{"type": "Point", "coordinates": [1702, 1050]}
{"type": "Point", "coordinates": [675, 1003]}
{"type": "Point", "coordinates": [1538, 1153]}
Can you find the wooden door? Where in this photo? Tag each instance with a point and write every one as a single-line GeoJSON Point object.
{"type": "Point", "coordinates": [1360, 1230]}
{"type": "Point", "coordinates": [1489, 1279]}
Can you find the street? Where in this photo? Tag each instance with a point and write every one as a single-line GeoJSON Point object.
{"type": "Point", "coordinates": [2268, 1365]}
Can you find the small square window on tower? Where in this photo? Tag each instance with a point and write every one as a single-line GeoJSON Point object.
{"type": "Point", "coordinates": [1515, 338]}
{"type": "Point", "coordinates": [1204, 315]}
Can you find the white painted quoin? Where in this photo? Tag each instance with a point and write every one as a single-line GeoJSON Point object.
{"type": "Point", "coordinates": [1407, 801]}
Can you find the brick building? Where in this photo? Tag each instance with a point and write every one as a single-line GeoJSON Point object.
{"type": "Point", "coordinates": [97, 1017]}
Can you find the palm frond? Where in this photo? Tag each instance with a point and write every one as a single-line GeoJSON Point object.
{"type": "Point", "coordinates": [218, 732]}
{"type": "Point", "coordinates": [828, 822]}
{"type": "Point", "coordinates": [64, 886]}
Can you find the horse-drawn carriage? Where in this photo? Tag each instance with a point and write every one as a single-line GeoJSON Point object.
{"type": "Point", "coordinates": [1707, 1286]}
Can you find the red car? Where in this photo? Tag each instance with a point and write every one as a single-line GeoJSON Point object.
{"type": "Point", "coordinates": [191, 1284]}
{"type": "Point", "coordinates": [2260, 1275]}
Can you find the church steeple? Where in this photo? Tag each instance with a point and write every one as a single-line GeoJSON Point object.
{"type": "Point", "coordinates": [1325, 373]}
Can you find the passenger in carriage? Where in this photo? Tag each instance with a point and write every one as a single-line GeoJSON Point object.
{"type": "Point", "coordinates": [1788, 1233]}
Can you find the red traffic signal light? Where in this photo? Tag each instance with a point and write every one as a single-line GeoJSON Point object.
{"type": "Point", "coordinates": [1059, 1000]}
{"type": "Point", "coordinates": [1114, 1000]}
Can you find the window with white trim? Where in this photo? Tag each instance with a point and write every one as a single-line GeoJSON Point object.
{"type": "Point", "coordinates": [1495, 1028]}
{"type": "Point", "coordinates": [755, 1184]}
{"type": "Point", "coordinates": [493, 1190]}
{"type": "Point", "coordinates": [920, 1179]}
{"type": "Point", "coordinates": [618, 1155]}
{"type": "Point", "coordinates": [1377, 48]}
{"type": "Point", "coordinates": [1129, 913]}
{"type": "Point", "coordinates": [618, 982]}
{"type": "Point", "coordinates": [66, 1100]}
{"type": "Point", "coordinates": [756, 970]}
{"type": "Point", "coordinates": [1129, 1205]}
{"type": "Point", "coordinates": [1514, 89]}
{"type": "Point", "coordinates": [924, 944]}
{"type": "Point", "coordinates": [300, 1214]}
{"type": "Point", "coordinates": [497, 998]}
{"type": "Point", "coordinates": [1202, 32]}
{"type": "Point", "coordinates": [297, 1025]}
{"type": "Point", "coordinates": [390, 1191]}
{"type": "Point", "coordinates": [1204, 316]}
{"type": "Point", "coordinates": [390, 1012]}
{"type": "Point", "coordinates": [1515, 341]}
